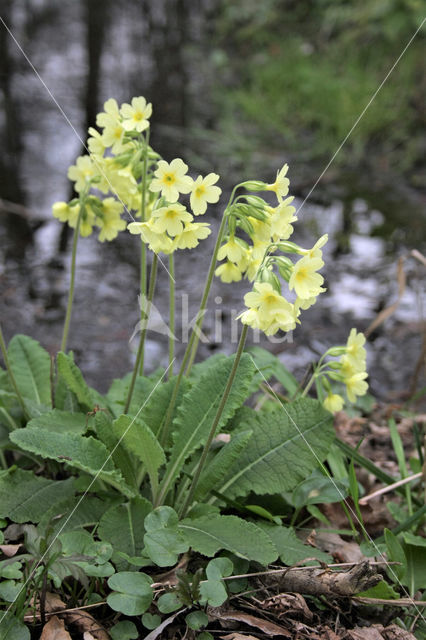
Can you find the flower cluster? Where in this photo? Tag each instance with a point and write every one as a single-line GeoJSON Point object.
{"type": "Point", "coordinates": [264, 249]}
{"type": "Point", "coordinates": [170, 225]}
{"type": "Point", "coordinates": [349, 369]}
{"type": "Point", "coordinates": [123, 173]}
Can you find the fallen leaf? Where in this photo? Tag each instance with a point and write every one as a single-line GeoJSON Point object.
{"type": "Point", "coordinates": [365, 633]}
{"type": "Point", "coordinates": [329, 634]}
{"type": "Point", "coordinates": [268, 628]}
{"type": "Point", "coordinates": [55, 630]}
{"type": "Point", "coordinates": [289, 604]}
{"type": "Point", "coordinates": [393, 632]}
{"type": "Point", "coordinates": [88, 636]}
{"type": "Point", "coordinates": [238, 636]}
{"type": "Point", "coordinates": [10, 550]}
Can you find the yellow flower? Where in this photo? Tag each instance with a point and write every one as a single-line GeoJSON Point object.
{"type": "Point", "coordinates": [82, 172]}
{"type": "Point", "coordinates": [87, 220]}
{"type": "Point", "coordinates": [171, 179]}
{"type": "Point", "coordinates": [281, 219]}
{"type": "Point", "coordinates": [262, 231]}
{"type": "Point", "coordinates": [356, 385]}
{"type": "Point", "coordinates": [233, 250]}
{"type": "Point", "coordinates": [355, 352]}
{"type": "Point", "coordinates": [111, 109]}
{"type": "Point", "coordinates": [63, 212]}
{"type": "Point", "coordinates": [111, 222]}
{"type": "Point", "coordinates": [204, 192]}
{"type": "Point", "coordinates": [268, 310]}
{"type": "Point", "coordinates": [280, 186]}
{"type": "Point", "coordinates": [333, 402]}
{"type": "Point", "coordinates": [95, 143]}
{"type": "Point", "coordinates": [157, 242]}
{"type": "Point", "coordinates": [135, 116]}
{"type": "Point", "coordinates": [192, 233]}
{"type": "Point", "coordinates": [170, 219]}
{"type": "Point", "coordinates": [316, 252]}
{"type": "Point", "coordinates": [304, 303]}
{"type": "Point", "coordinates": [251, 317]}
{"type": "Point", "coordinates": [109, 121]}
{"type": "Point", "coordinates": [304, 279]}
{"type": "Point", "coordinates": [228, 272]}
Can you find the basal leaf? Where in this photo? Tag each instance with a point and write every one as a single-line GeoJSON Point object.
{"type": "Point", "coordinates": [24, 496]}
{"type": "Point", "coordinates": [123, 526]}
{"type": "Point", "coordinates": [155, 409]}
{"type": "Point", "coordinates": [62, 421]}
{"type": "Point", "coordinates": [139, 440]}
{"type": "Point", "coordinates": [132, 592]}
{"type": "Point", "coordinates": [11, 628]}
{"type": "Point", "coordinates": [84, 453]}
{"type": "Point", "coordinates": [164, 540]}
{"type": "Point", "coordinates": [198, 409]}
{"type": "Point", "coordinates": [270, 366]}
{"type": "Point", "coordinates": [221, 462]}
{"type": "Point", "coordinates": [74, 379]}
{"type": "Point", "coordinates": [121, 458]}
{"type": "Point", "coordinates": [290, 549]}
{"type": "Point", "coordinates": [117, 393]}
{"type": "Point", "coordinates": [209, 534]}
{"type": "Point", "coordinates": [30, 364]}
{"type": "Point", "coordinates": [286, 445]}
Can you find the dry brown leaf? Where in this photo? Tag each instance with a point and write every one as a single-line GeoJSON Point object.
{"type": "Point", "coordinates": [334, 544]}
{"type": "Point", "coordinates": [329, 634]}
{"type": "Point", "coordinates": [393, 632]}
{"type": "Point", "coordinates": [365, 633]}
{"type": "Point", "coordinates": [88, 636]}
{"type": "Point", "coordinates": [10, 550]}
{"type": "Point", "coordinates": [81, 619]}
{"type": "Point", "coordinates": [238, 636]}
{"type": "Point", "coordinates": [268, 628]}
{"type": "Point", "coordinates": [289, 604]}
{"type": "Point", "coordinates": [55, 630]}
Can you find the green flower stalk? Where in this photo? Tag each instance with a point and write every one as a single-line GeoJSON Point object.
{"type": "Point", "coordinates": [171, 314]}
{"type": "Point", "coordinates": [72, 279]}
{"type": "Point", "coordinates": [151, 288]}
{"type": "Point", "coordinates": [216, 421]}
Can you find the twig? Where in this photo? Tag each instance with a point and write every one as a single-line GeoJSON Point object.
{"type": "Point", "coordinates": [389, 487]}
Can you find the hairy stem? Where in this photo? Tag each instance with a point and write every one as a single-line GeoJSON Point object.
{"type": "Point", "coordinates": [172, 283]}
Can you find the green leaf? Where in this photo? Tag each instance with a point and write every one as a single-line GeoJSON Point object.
{"type": "Point", "coordinates": [153, 412]}
{"type": "Point", "coordinates": [196, 620]}
{"type": "Point", "coordinates": [57, 420]}
{"type": "Point", "coordinates": [210, 534]}
{"type": "Point", "coordinates": [395, 553]}
{"type": "Point", "coordinates": [151, 621]}
{"type": "Point", "coordinates": [381, 590]}
{"type": "Point", "coordinates": [270, 366]}
{"type": "Point", "coordinates": [286, 445]}
{"type": "Point", "coordinates": [119, 389]}
{"type": "Point", "coordinates": [163, 539]}
{"type": "Point", "coordinates": [86, 454]}
{"type": "Point", "coordinates": [121, 458]}
{"type": "Point", "coordinates": [219, 568]}
{"type": "Point", "coordinates": [124, 630]}
{"type": "Point", "coordinates": [24, 496]}
{"type": "Point", "coordinates": [12, 629]}
{"type": "Point", "coordinates": [9, 590]}
{"type": "Point", "coordinates": [169, 602]}
{"type": "Point", "coordinates": [213, 592]}
{"type": "Point", "coordinates": [80, 514]}
{"type": "Point", "coordinates": [138, 439]}
{"type": "Point", "coordinates": [132, 592]}
{"type": "Point", "coordinates": [74, 379]}
{"type": "Point", "coordinates": [11, 571]}
{"type": "Point", "coordinates": [290, 549]}
{"type": "Point", "coordinates": [123, 526]}
{"type": "Point", "coordinates": [318, 489]}
{"type": "Point", "coordinates": [415, 576]}
{"type": "Point", "coordinates": [30, 364]}
{"type": "Point", "coordinates": [217, 468]}
{"type": "Point", "coordinates": [198, 409]}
